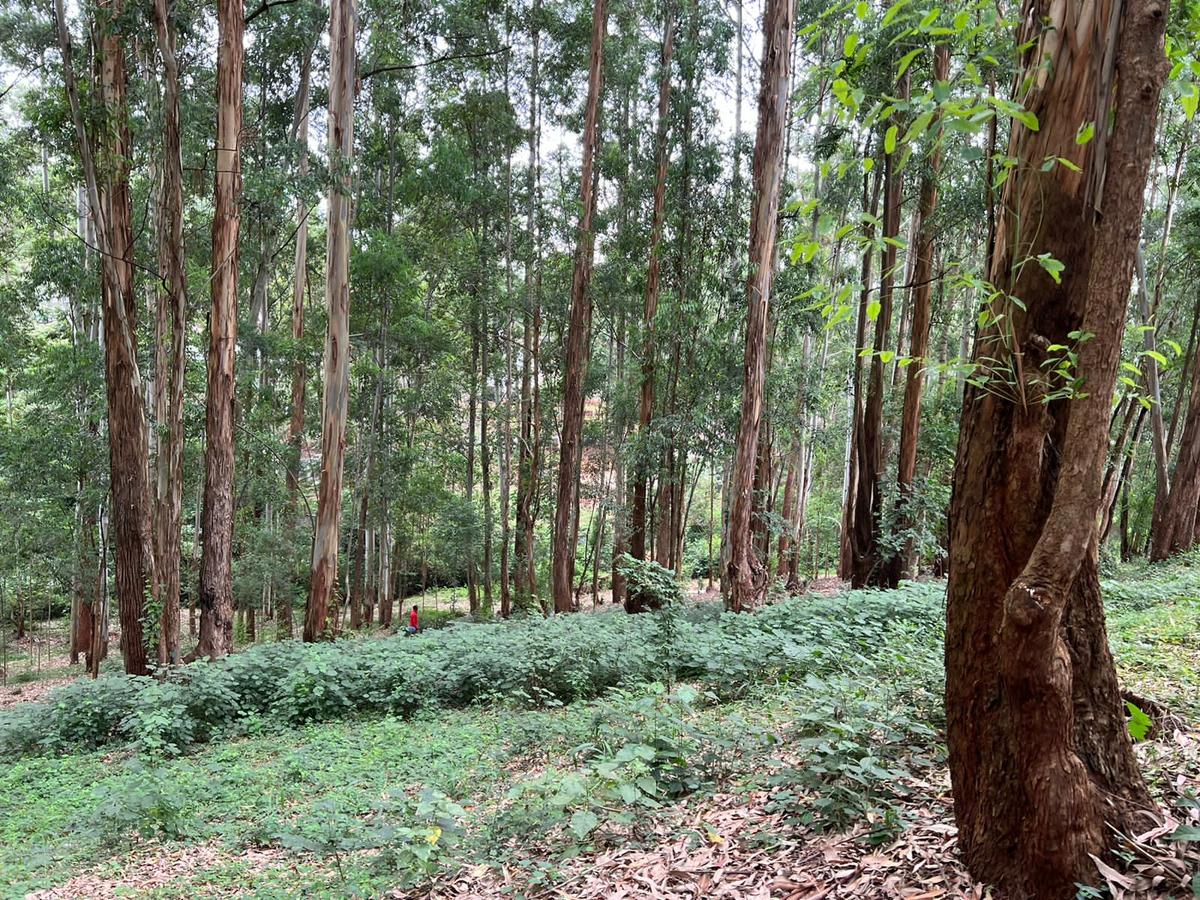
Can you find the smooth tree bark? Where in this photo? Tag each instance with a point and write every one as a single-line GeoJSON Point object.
{"type": "Point", "coordinates": [216, 554]}
{"type": "Point", "coordinates": [104, 158]}
{"type": "Point", "coordinates": [320, 616]}
{"type": "Point", "coordinates": [641, 476]}
{"type": "Point", "coordinates": [1040, 756]}
{"type": "Point", "coordinates": [295, 434]}
{"type": "Point", "coordinates": [904, 563]}
{"type": "Point", "coordinates": [577, 349]}
{"type": "Point", "coordinates": [746, 574]}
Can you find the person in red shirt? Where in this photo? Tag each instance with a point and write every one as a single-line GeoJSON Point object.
{"type": "Point", "coordinates": [413, 622]}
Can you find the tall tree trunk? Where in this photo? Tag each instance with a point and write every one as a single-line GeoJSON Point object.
{"type": "Point", "coordinates": [170, 348]}
{"type": "Point", "coordinates": [295, 438]}
{"type": "Point", "coordinates": [641, 477]}
{"type": "Point", "coordinates": [1040, 756]}
{"type": "Point", "coordinates": [528, 450]}
{"type": "Point", "coordinates": [578, 338]}
{"type": "Point", "coordinates": [216, 555]}
{"type": "Point", "coordinates": [855, 425]}
{"type": "Point", "coordinates": [111, 211]}
{"type": "Point", "coordinates": [867, 565]}
{"type": "Point", "coordinates": [747, 581]}
{"type": "Point", "coordinates": [318, 623]}
{"type": "Point", "coordinates": [485, 462]}
{"type": "Point", "coordinates": [903, 564]}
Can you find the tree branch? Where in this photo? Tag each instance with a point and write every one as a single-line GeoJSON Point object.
{"type": "Point", "coordinates": [446, 57]}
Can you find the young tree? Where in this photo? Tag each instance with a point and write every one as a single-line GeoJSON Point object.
{"type": "Point", "coordinates": [216, 555]}
{"type": "Point", "coordinates": [577, 349]}
{"type": "Point", "coordinates": [1040, 758]}
{"type": "Point", "coordinates": [747, 578]}
{"type": "Point", "coordinates": [318, 622]}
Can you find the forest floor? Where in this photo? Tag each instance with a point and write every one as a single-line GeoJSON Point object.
{"type": "Point", "coordinates": [804, 789]}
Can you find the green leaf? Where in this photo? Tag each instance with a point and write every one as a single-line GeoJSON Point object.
{"type": "Point", "coordinates": [873, 310]}
{"type": "Point", "coordinates": [1156, 356]}
{"type": "Point", "coordinates": [906, 60]}
{"type": "Point", "coordinates": [1187, 833]}
{"type": "Point", "coordinates": [850, 45]}
{"type": "Point", "coordinates": [583, 823]}
{"type": "Point", "coordinates": [1139, 722]}
{"type": "Point", "coordinates": [1190, 103]}
{"type": "Point", "coordinates": [1052, 266]}
{"type": "Point", "coordinates": [1026, 118]}
{"type": "Point", "coordinates": [1087, 131]}
{"type": "Point", "coordinates": [887, 356]}
{"type": "Point", "coordinates": [862, 10]}
{"type": "Point", "coordinates": [894, 10]}
{"type": "Point", "coordinates": [889, 140]}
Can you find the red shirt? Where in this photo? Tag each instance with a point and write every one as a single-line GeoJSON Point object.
{"type": "Point", "coordinates": [412, 619]}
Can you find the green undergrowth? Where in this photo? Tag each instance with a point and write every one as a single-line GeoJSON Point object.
{"type": "Point", "coordinates": [534, 663]}
{"type": "Point", "coordinates": [519, 745]}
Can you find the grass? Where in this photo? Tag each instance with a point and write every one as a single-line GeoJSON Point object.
{"type": "Point", "coordinates": [834, 748]}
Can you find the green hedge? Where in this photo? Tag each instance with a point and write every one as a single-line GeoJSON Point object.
{"type": "Point", "coordinates": [531, 663]}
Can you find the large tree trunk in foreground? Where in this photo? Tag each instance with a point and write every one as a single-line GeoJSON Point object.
{"type": "Point", "coordinates": [747, 577]}
{"type": "Point", "coordinates": [578, 338]}
{"type": "Point", "coordinates": [111, 209]}
{"type": "Point", "coordinates": [216, 555]}
{"type": "Point", "coordinates": [1040, 758]}
{"type": "Point", "coordinates": [318, 621]}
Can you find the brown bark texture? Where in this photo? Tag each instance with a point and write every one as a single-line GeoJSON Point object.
{"type": "Point", "coordinates": [170, 349]}
{"type": "Point", "coordinates": [641, 473]}
{"type": "Point", "coordinates": [1040, 756]}
{"type": "Point", "coordinates": [216, 552]}
{"type": "Point", "coordinates": [866, 563]}
{"type": "Point", "coordinates": [578, 338]}
{"type": "Point", "coordinates": [111, 210]}
{"type": "Point", "coordinates": [903, 565]}
{"type": "Point", "coordinates": [746, 575]}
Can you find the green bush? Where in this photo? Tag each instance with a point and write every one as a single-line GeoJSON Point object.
{"type": "Point", "coordinates": [529, 663]}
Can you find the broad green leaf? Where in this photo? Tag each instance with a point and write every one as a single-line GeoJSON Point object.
{"type": "Point", "coordinates": [1185, 833]}
{"type": "Point", "coordinates": [583, 823]}
{"type": "Point", "coordinates": [889, 140]}
{"type": "Point", "coordinates": [1139, 722]}
{"type": "Point", "coordinates": [1053, 266]}
{"type": "Point", "coordinates": [906, 60]}
{"type": "Point", "coordinates": [850, 45]}
{"type": "Point", "coordinates": [894, 10]}
{"type": "Point", "coordinates": [873, 310]}
{"type": "Point", "coordinates": [1086, 133]}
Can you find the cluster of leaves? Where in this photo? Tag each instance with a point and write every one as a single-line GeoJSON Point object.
{"type": "Point", "coordinates": [532, 663]}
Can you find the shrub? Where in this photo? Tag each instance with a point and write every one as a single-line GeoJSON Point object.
{"type": "Point", "coordinates": [527, 663]}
